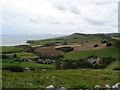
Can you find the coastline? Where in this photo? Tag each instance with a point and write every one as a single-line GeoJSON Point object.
{"type": "Point", "coordinates": [13, 40]}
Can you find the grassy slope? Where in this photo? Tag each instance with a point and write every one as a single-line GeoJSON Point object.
{"type": "Point", "coordinates": [82, 78]}
{"type": "Point", "coordinates": [7, 62]}
{"type": "Point", "coordinates": [71, 38]}
{"type": "Point", "coordinates": [105, 52]}
{"type": "Point", "coordinates": [11, 49]}
{"type": "Point", "coordinates": [23, 55]}
{"type": "Point", "coordinates": [113, 65]}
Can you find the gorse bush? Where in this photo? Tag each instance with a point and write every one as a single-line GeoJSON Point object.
{"type": "Point", "coordinates": [14, 68]}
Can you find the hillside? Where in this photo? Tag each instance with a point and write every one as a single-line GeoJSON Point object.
{"type": "Point", "coordinates": [72, 39]}
{"type": "Point", "coordinates": [81, 58]}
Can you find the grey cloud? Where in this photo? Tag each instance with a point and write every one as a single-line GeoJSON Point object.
{"type": "Point", "coordinates": [101, 3]}
{"type": "Point", "coordinates": [71, 8]}
{"type": "Point", "coordinates": [32, 20]}
{"type": "Point", "coordinates": [94, 22]}
{"type": "Point", "coordinates": [53, 20]}
{"type": "Point", "coordinates": [48, 20]}
{"type": "Point", "coordinates": [60, 7]}
{"type": "Point", "coordinates": [75, 11]}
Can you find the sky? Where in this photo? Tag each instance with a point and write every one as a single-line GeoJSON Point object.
{"type": "Point", "coordinates": [58, 16]}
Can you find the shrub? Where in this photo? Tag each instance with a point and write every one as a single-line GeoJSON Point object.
{"type": "Point", "coordinates": [64, 43]}
{"type": "Point", "coordinates": [117, 68]}
{"type": "Point", "coordinates": [108, 44]}
{"type": "Point", "coordinates": [3, 56]}
{"type": "Point", "coordinates": [93, 56]}
{"type": "Point", "coordinates": [15, 56]}
{"type": "Point", "coordinates": [30, 42]}
{"type": "Point", "coordinates": [104, 41]}
{"type": "Point", "coordinates": [107, 60]}
{"type": "Point", "coordinates": [65, 49]}
{"type": "Point", "coordinates": [117, 43]}
{"type": "Point", "coordinates": [49, 44]}
{"type": "Point", "coordinates": [96, 45]}
{"type": "Point", "coordinates": [14, 68]}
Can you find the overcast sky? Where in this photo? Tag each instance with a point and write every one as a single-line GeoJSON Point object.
{"type": "Point", "coordinates": [58, 16]}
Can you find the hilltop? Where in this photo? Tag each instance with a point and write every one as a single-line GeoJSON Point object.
{"type": "Point", "coordinates": [74, 38]}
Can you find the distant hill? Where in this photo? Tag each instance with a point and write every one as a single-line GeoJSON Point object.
{"type": "Point", "coordinates": [113, 34]}
{"type": "Point", "coordinates": [74, 38]}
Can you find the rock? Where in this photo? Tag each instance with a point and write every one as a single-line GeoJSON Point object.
{"type": "Point", "coordinates": [107, 86]}
{"type": "Point", "coordinates": [62, 88]}
{"type": "Point", "coordinates": [117, 85]}
{"type": "Point", "coordinates": [50, 87]}
{"type": "Point", "coordinates": [97, 86]}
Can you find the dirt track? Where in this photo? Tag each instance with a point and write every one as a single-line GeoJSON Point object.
{"type": "Point", "coordinates": [75, 45]}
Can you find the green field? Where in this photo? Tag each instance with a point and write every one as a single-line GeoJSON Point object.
{"type": "Point", "coordinates": [12, 61]}
{"type": "Point", "coordinates": [10, 49]}
{"type": "Point", "coordinates": [105, 52]}
{"type": "Point", "coordinates": [79, 78]}
{"type": "Point", "coordinates": [113, 65]}
{"type": "Point", "coordinates": [26, 55]}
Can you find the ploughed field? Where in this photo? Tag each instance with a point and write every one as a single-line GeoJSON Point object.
{"type": "Point", "coordinates": [48, 51]}
{"type": "Point", "coordinates": [54, 61]}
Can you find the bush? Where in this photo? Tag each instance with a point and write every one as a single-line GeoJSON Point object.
{"type": "Point", "coordinates": [96, 45]}
{"type": "Point", "coordinates": [108, 44]}
{"type": "Point", "coordinates": [104, 41]}
{"type": "Point", "coordinates": [117, 68]}
{"type": "Point", "coordinates": [49, 44]}
{"type": "Point", "coordinates": [65, 49]}
{"type": "Point", "coordinates": [107, 60]}
{"type": "Point", "coordinates": [64, 43]}
{"type": "Point", "coordinates": [117, 43]}
{"type": "Point", "coordinates": [15, 56]}
{"type": "Point", "coordinates": [14, 68]}
{"type": "Point", "coordinates": [3, 56]}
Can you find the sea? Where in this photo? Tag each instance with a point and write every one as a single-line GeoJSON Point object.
{"type": "Point", "coordinates": [13, 40]}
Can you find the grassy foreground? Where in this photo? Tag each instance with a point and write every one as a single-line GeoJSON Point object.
{"type": "Point", "coordinates": [79, 78]}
